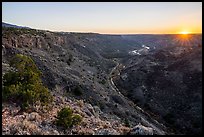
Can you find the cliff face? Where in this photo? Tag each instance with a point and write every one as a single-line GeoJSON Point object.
{"type": "Point", "coordinates": [20, 39]}
{"type": "Point", "coordinates": [67, 61]}
{"type": "Point", "coordinates": [167, 83]}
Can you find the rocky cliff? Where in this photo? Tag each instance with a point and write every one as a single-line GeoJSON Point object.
{"type": "Point", "coordinates": [67, 61]}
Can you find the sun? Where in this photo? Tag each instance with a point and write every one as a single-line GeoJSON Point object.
{"type": "Point", "coordinates": [184, 38]}
{"type": "Point", "coordinates": [184, 32]}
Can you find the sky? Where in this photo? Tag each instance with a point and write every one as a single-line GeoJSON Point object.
{"type": "Point", "coordinates": [106, 17]}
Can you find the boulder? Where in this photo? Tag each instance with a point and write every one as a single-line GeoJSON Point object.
{"type": "Point", "coordinates": [97, 111]}
{"type": "Point", "coordinates": [87, 112]}
{"type": "Point", "coordinates": [141, 130]}
{"type": "Point", "coordinates": [91, 109]}
{"type": "Point", "coordinates": [34, 116]}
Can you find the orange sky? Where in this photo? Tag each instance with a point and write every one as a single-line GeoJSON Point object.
{"type": "Point", "coordinates": [107, 18]}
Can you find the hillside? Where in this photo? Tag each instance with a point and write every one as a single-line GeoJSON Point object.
{"type": "Point", "coordinates": [12, 26]}
{"type": "Point", "coordinates": [67, 61]}
{"type": "Point", "coordinates": [168, 84]}
{"type": "Point", "coordinates": [89, 62]}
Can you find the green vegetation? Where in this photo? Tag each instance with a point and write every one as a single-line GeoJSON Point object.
{"type": "Point", "coordinates": [126, 122]}
{"type": "Point", "coordinates": [24, 85]}
{"type": "Point", "coordinates": [21, 31]}
{"type": "Point", "coordinates": [66, 118]}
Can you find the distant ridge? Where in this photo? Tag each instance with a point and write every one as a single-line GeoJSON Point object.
{"type": "Point", "coordinates": [12, 26]}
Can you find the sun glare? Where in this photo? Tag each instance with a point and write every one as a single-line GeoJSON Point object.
{"type": "Point", "coordinates": [184, 38]}
{"type": "Point", "coordinates": [184, 32]}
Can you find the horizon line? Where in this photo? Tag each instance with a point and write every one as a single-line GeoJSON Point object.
{"type": "Point", "coordinates": [60, 31]}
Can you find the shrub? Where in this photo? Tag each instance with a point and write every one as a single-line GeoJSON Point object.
{"type": "Point", "coordinates": [126, 122]}
{"type": "Point", "coordinates": [101, 105]}
{"type": "Point", "coordinates": [68, 62]}
{"type": "Point", "coordinates": [103, 82]}
{"type": "Point", "coordinates": [66, 118]}
{"type": "Point", "coordinates": [76, 119]}
{"type": "Point", "coordinates": [70, 59]}
{"type": "Point", "coordinates": [78, 91]}
{"type": "Point", "coordinates": [24, 86]}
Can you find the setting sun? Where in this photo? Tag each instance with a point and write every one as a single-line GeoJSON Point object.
{"type": "Point", "coordinates": [184, 38]}
{"type": "Point", "coordinates": [184, 32]}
